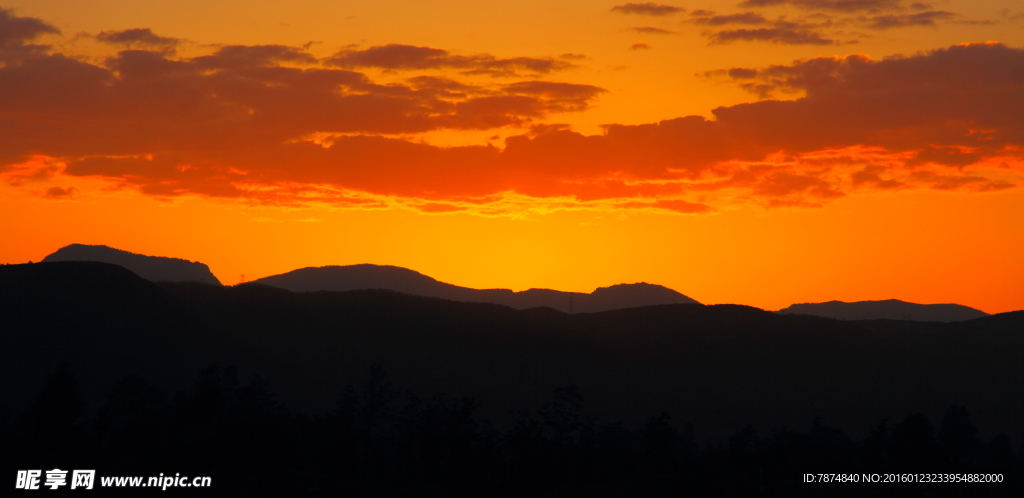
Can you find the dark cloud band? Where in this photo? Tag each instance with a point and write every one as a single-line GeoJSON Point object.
{"type": "Point", "coordinates": [272, 124]}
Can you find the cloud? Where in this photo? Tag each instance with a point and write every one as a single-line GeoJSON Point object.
{"type": "Point", "coordinates": [783, 36]}
{"type": "Point", "coordinates": [139, 38]}
{"type": "Point", "coordinates": [874, 176]}
{"type": "Point", "coordinates": [409, 57]}
{"type": "Point", "coordinates": [834, 5]}
{"type": "Point", "coordinates": [740, 73]}
{"type": "Point", "coordinates": [16, 32]}
{"type": "Point", "coordinates": [740, 18]}
{"type": "Point", "coordinates": [640, 45]}
{"type": "Point", "coordinates": [806, 31]}
{"type": "Point", "coordinates": [647, 9]}
{"type": "Point", "coordinates": [565, 96]}
{"type": "Point", "coordinates": [244, 56]}
{"type": "Point", "coordinates": [678, 206]}
{"type": "Point", "coordinates": [140, 101]}
{"type": "Point", "coordinates": [269, 125]}
{"type": "Point", "coordinates": [811, 29]}
{"type": "Point", "coordinates": [907, 20]}
{"type": "Point", "coordinates": [976, 22]}
{"type": "Point", "coordinates": [652, 30]}
{"type": "Point", "coordinates": [945, 107]}
{"type": "Point", "coordinates": [1006, 13]}
{"type": "Point", "coordinates": [60, 193]}
{"type": "Point", "coordinates": [517, 103]}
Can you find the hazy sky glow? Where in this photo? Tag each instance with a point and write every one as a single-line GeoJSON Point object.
{"type": "Point", "coordinates": [763, 152]}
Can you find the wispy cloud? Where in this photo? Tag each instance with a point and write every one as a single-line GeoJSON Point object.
{"type": "Point", "coordinates": [817, 28]}
{"type": "Point", "coordinates": [409, 57]}
{"type": "Point", "coordinates": [889, 21]}
{"type": "Point", "coordinates": [780, 35]}
{"type": "Point", "coordinates": [647, 9]}
{"type": "Point", "coordinates": [652, 31]}
{"type": "Point", "coordinates": [832, 5]}
{"type": "Point", "coordinates": [142, 38]}
{"type": "Point", "coordinates": [739, 18]}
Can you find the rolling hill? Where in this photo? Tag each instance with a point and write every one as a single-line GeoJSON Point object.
{"type": "Point", "coordinates": [890, 309]}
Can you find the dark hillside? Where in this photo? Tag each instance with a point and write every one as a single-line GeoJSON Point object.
{"type": "Point", "coordinates": [388, 394]}
{"type": "Point", "coordinates": [103, 319]}
{"type": "Point", "coordinates": [719, 367]}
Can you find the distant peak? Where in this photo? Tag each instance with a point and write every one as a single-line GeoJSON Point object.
{"type": "Point", "coordinates": [890, 309]}
{"type": "Point", "coordinates": [367, 267]}
{"type": "Point", "coordinates": [633, 285]}
{"type": "Point", "coordinates": [100, 248]}
{"type": "Point", "coordinates": [152, 268]}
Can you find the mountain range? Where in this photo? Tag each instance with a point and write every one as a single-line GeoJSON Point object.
{"type": "Point", "coordinates": [718, 366]}
{"type": "Point", "coordinates": [403, 280]}
{"type": "Point", "coordinates": [890, 309]}
{"type": "Point", "coordinates": [249, 383]}
{"type": "Point", "coordinates": [365, 276]}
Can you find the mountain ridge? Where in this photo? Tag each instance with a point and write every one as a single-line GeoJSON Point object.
{"type": "Point", "coordinates": [889, 309]}
{"type": "Point", "coordinates": [152, 268]}
{"type": "Point", "coordinates": [404, 280]}
{"type": "Point", "coordinates": [369, 276]}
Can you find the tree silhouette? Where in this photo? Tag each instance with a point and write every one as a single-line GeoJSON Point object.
{"type": "Point", "coordinates": [912, 444]}
{"type": "Point", "coordinates": [50, 430]}
{"type": "Point", "coordinates": [957, 438]}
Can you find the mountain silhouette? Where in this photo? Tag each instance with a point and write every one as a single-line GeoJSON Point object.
{"type": "Point", "coordinates": [98, 365]}
{"type": "Point", "coordinates": [367, 276]}
{"type": "Point", "coordinates": [152, 268]}
{"type": "Point", "coordinates": [719, 366]}
{"type": "Point", "coordinates": [891, 309]}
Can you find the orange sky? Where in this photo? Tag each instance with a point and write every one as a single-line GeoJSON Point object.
{"type": "Point", "coordinates": [763, 152]}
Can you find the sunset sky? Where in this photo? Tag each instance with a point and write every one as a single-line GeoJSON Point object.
{"type": "Point", "coordinates": [761, 152]}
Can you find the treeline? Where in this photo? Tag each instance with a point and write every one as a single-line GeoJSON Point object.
{"type": "Point", "coordinates": [380, 440]}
